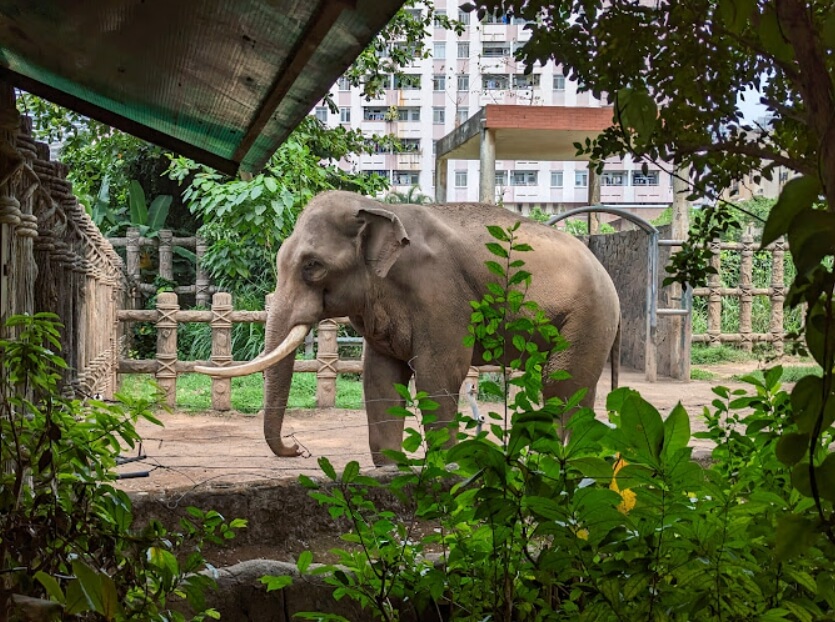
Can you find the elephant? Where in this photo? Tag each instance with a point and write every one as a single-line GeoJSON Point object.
{"type": "Point", "coordinates": [405, 275]}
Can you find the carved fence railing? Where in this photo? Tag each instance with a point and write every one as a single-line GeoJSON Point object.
{"type": "Point", "coordinates": [164, 245]}
{"type": "Point", "coordinates": [745, 292]}
{"type": "Point", "coordinates": [166, 367]}
{"type": "Point", "coordinates": [54, 259]}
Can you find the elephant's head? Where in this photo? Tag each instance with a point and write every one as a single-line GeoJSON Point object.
{"type": "Point", "coordinates": [341, 242]}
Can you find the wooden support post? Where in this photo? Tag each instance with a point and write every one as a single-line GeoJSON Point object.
{"type": "Point", "coordinates": [682, 326]}
{"type": "Point", "coordinates": [440, 180]}
{"type": "Point", "coordinates": [166, 375]}
{"type": "Point", "coordinates": [132, 268]}
{"type": "Point", "coordinates": [327, 356]}
{"type": "Point", "coordinates": [714, 300]}
{"type": "Point", "coordinates": [166, 255]}
{"type": "Point", "coordinates": [778, 296]}
{"type": "Point", "coordinates": [746, 285]}
{"type": "Point", "coordinates": [201, 282]}
{"type": "Point", "coordinates": [221, 349]}
{"type": "Point", "coordinates": [487, 170]}
{"type": "Point", "coordinates": [594, 199]}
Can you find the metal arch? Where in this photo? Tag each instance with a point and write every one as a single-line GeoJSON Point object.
{"type": "Point", "coordinates": [650, 345]}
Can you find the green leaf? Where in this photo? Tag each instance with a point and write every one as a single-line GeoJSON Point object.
{"type": "Point", "coordinates": [51, 586]}
{"type": "Point", "coordinates": [820, 338]}
{"type": "Point", "coordinates": [304, 561]}
{"type": "Point", "coordinates": [497, 249]}
{"type": "Point", "coordinates": [813, 233]}
{"type": "Point", "coordinates": [274, 583]}
{"type": "Point", "coordinates": [138, 206]}
{"type": "Point", "coordinates": [158, 212]}
{"type": "Point", "coordinates": [412, 441]}
{"type": "Point", "coordinates": [791, 447]}
{"type": "Point", "coordinates": [806, 401]}
{"type": "Point", "coordinates": [736, 13]}
{"type": "Point", "coordinates": [772, 38]}
{"type": "Point", "coordinates": [676, 431]}
{"type": "Point", "coordinates": [91, 584]}
{"type": "Point", "coordinates": [327, 468]}
{"type": "Point", "coordinates": [798, 195]}
{"type": "Point", "coordinates": [825, 475]}
{"type": "Point", "coordinates": [642, 426]}
{"type": "Point", "coordinates": [352, 469]}
{"type": "Point", "coordinates": [794, 535]}
{"type": "Point", "coordinates": [637, 111]}
{"type": "Point", "coordinates": [498, 233]}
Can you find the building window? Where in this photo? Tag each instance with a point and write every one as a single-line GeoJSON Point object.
{"type": "Point", "coordinates": [640, 179]}
{"type": "Point", "coordinates": [523, 178]}
{"type": "Point", "coordinates": [439, 82]}
{"type": "Point", "coordinates": [405, 178]}
{"type": "Point", "coordinates": [501, 178]}
{"type": "Point", "coordinates": [495, 49]}
{"type": "Point", "coordinates": [463, 49]}
{"type": "Point", "coordinates": [461, 115]}
{"type": "Point", "coordinates": [374, 113]}
{"type": "Point", "coordinates": [410, 145]}
{"type": "Point", "coordinates": [523, 81]}
{"type": "Point", "coordinates": [439, 51]}
{"type": "Point", "coordinates": [494, 82]}
{"type": "Point", "coordinates": [463, 17]}
{"type": "Point", "coordinates": [407, 82]}
{"type": "Point", "coordinates": [415, 13]}
{"type": "Point", "coordinates": [434, 151]}
{"type": "Point", "coordinates": [322, 113]}
{"type": "Point", "coordinates": [438, 115]}
{"type": "Point", "coordinates": [556, 179]}
{"type": "Point", "coordinates": [460, 179]}
{"type": "Point", "coordinates": [345, 115]}
{"type": "Point", "coordinates": [614, 178]}
{"type": "Point", "coordinates": [581, 179]}
{"type": "Point", "coordinates": [497, 18]}
{"type": "Point", "coordinates": [437, 18]}
{"type": "Point", "coordinates": [464, 83]}
{"type": "Point", "coordinates": [408, 113]}
{"type": "Point", "coordinates": [559, 82]}
{"type": "Point", "coordinates": [343, 84]}
{"type": "Point", "coordinates": [384, 174]}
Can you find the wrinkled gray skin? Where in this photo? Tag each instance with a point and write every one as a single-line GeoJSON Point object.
{"type": "Point", "coordinates": [405, 275]}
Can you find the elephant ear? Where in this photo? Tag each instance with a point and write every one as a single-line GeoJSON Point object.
{"type": "Point", "coordinates": [383, 237]}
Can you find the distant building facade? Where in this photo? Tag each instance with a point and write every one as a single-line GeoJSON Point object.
{"type": "Point", "coordinates": [465, 73]}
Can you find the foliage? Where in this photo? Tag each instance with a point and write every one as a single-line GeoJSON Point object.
{"type": "Point", "coordinates": [710, 355]}
{"type": "Point", "coordinates": [412, 196]}
{"type": "Point", "coordinates": [616, 522]}
{"type": "Point", "coordinates": [67, 530]}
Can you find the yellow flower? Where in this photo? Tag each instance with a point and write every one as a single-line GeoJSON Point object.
{"type": "Point", "coordinates": [582, 533]}
{"type": "Point", "coordinates": [628, 498]}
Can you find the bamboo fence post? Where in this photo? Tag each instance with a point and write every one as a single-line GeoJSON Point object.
{"type": "Point", "coordinates": [166, 255]}
{"type": "Point", "coordinates": [221, 349]}
{"type": "Point", "coordinates": [201, 281]}
{"type": "Point", "coordinates": [132, 251]}
{"type": "Point", "coordinates": [746, 297]}
{"type": "Point", "coordinates": [778, 295]}
{"type": "Point", "coordinates": [328, 358]}
{"type": "Point", "coordinates": [166, 325]}
{"type": "Point", "coordinates": [714, 300]}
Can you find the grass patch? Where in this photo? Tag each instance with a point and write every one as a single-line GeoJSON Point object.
{"type": "Point", "coordinates": [706, 355]}
{"type": "Point", "coordinates": [790, 374]}
{"type": "Point", "coordinates": [194, 392]}
{"type": "Point", "coordinates": [701, 374]}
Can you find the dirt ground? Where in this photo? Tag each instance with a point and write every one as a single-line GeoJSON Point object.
{"type": "Point", "coordinates": [216, 450]}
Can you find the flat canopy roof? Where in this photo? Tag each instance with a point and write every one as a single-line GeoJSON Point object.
{"type": "Point", "coordinates": [526, 132]}
{"type": "Point", "coordinates": [223, 82]}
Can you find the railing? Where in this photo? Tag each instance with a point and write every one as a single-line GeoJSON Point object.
{"type": "Point", "coordinates": [166, 367]}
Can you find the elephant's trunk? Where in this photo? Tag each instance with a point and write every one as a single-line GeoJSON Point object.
{"type": "Point", "coordinates": [293, 340]}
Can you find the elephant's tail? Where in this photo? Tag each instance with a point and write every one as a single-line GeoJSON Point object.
{"type": "Point", "coordinates": [614, 357]}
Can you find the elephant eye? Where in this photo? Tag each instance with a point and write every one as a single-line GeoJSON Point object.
{"type": "Point", "coordinates": [313, 270]}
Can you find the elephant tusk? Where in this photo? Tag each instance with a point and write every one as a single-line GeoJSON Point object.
{"type": "Point", "coordinates": [292, 341]}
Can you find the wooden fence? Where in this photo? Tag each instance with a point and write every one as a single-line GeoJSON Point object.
{"type": "Point", "coordinates": [745, 291]}
{"type": "Point", "coordinates": [133, 244]}
{"type": "Point", "coordinates": [55, 259]}
{"type": "Point", "coordinates": [166, 367]}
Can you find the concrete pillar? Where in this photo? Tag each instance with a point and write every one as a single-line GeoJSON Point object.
{"type": "Point", "coordinates": [440, 179]}
{"type": "Point", "coordinates": [487, 173]}
{"type": "Point", "coordinates": [682, 326]}
{"type": "Point", "coordinates": [594, 199]}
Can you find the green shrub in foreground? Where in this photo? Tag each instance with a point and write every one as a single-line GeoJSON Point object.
{"type": "Point", "coordinates": [616, 523]}
{"type": "Point", "coordinates": [67, 530]}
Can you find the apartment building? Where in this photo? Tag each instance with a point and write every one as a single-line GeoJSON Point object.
{"type": "Point", "coordinates": [465, 73]}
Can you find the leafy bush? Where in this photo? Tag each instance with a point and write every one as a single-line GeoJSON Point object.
{"type": "Point", "coordinates": [616, 522]}
{"type": "Point", "coordinates": [67, 530]}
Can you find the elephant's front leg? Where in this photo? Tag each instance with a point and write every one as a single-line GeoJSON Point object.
{"type": "Point", "coordinates": [380, 374]}
{"type": "Point", "coordinates": [441, 375]}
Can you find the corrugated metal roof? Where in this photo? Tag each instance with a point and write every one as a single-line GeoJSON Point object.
{"type": "Point", "coordinates": [221, 81]}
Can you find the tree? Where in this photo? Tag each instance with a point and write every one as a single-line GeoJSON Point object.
{"type": "Point", "coordinates": [675, 71]}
